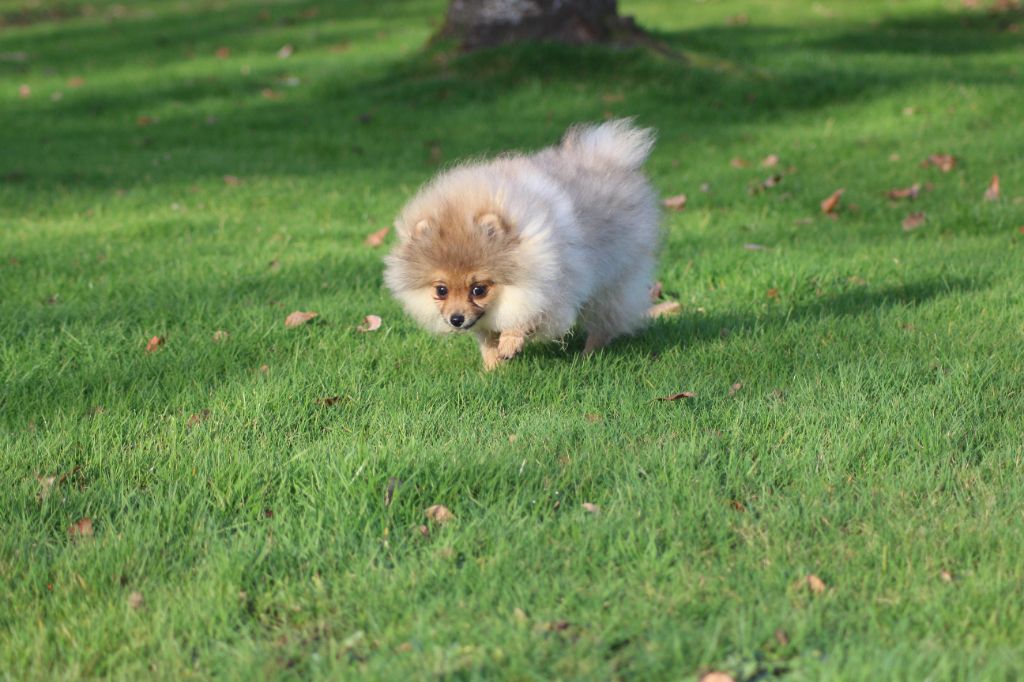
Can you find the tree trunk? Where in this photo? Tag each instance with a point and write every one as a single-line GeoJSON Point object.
{"type": "Point", "coordinates": [485, 23]}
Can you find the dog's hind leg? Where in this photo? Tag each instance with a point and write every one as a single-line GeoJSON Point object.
{"type": "Point", "coordinates": [617, 310]}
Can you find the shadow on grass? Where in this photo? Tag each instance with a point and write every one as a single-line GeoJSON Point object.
{"type": "Point", "coordinates": [345, 119]}
{"type": "Point", "coordinates": [689, 329]}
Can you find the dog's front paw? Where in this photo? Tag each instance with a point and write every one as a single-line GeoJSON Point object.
{"type": "Point", "coordinates": [510, 345]}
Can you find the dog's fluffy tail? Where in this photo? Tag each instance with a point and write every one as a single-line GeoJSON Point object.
{"type": "Point", "coordinates": [617, 143]}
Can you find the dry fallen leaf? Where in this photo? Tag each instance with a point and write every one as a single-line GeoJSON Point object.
{"type": "Point", "coordinates": [992, 193]}
{"type": "Point", "coordinates": [136, 600]}
{"type": "Point", "coordinates": [913, 221]}
{"type": "Point", "coordinates": [715, 676]}
{"type": "Point", "coordinates": [329, 400]}
{"type": "Point", "coordinates": [24, 91]}
{"type": "Point", "coordinates": [76, 82]}
{"type": "Point", "coordinates": [829, 204]}
{"type": "Point", "coordinates": [154, 343]}
{"type": "Point", "coordinates": [222, 52]}
{"type": "Point", "coordinates": [299, 318]}
{"type": "Point", "coordinates": [946, 576]}
{"type": "Point", "coordinates": [739, 163]}
{"type": "Point", "coordinates": [770, 161]}
{"type": "Point", "coordinates": [377, 238]}
{"type": "Point", "coordinates": [82, 528]}
{"type": "Point", "coordinates": [676, 203]}
{"type": "Point", "coordinates": [679, 396]}
{"type": "Point", "coordinates": [655, 291]}
{"type": "Point", "coordinates": [782, 637]}
{"type": "Point", "coordinates": [286, 51]}
{"type": "Point", "coordinates": [734, 389]}
{"type": "Point", "coordinates": [772, 293]}
{"type": "Point", "coordinates": [389, 491]}
{"type": "Point", "coordinates": [944, 162]}
{"type": "Point", "coordinates": [143, 121]}
{"type": "Point", "coordinates": [220, 335]}
{"type": "Point", "coordinates": [906, 192]}
{"type": "Point", "coordinates": [662, 309]}
{"type": "Point", "coordinates": [591, 508]}
{"type": "Point", "coordinates": [372, 323]}
{"type": "Point", "coordinates": [815, 584]}
{"type": "Point", "coordinates": [198, 418]}
{"type": "Point", "coordinates": [439, 514]}
{"type": "Point", "coordinates": [232, 180]}
{"type": "Point", "coordinates": [45, 485]}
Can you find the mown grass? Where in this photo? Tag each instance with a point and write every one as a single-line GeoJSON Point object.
{"type": "Point", "coordinates": [876, 441]}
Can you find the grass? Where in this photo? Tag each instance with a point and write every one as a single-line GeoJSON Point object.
{"type": "Point", "coordinates": [876, 441]}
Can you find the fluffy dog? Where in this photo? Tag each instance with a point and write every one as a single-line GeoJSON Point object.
{"type": "Point", "coordinates": [522, 246]}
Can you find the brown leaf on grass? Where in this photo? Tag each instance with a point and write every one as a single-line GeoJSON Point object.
{"type": "Point", "coordinates": [299, 318]}
{"type": "Point", "coordinates": [264, 369]}
{"type": "Point", "coordinates": [370, 323]}
{"type": "Point", "coordinates": [716, 676]}
{"type": "Point", "coordinates": [220, 335]}
{"type": "Point", "coordinates": [782, 637]}
{"type": "Point", "coordinates": [735, 388]}
{"type": "Point", "coordinates": [679, 396]}
{"type": "Point", "coordinates": [946, 576]}
{"type": "Point", "coordinates": [771, 181]}
{"type": "Point", "coordinates": [913, 221]}
{"type": "Point", "coordinates": [663, 309]}
{"type": "Point", "coordinates": [770, 161]}
{"type": "Point", "coordinates": [829, 204]}
{"type": "Point", "coordinates": [772, 293]}
{"type": "Point", "coordinates": [590, 508]}
{"type": "Point", "coordinates": [232, 181]}
{"type": "Point", "coordinates": [269, 93]}
{"type": "Point", "coordinates": [24, 91]}
{"type": "Point", "coordinates": [815, 584]}
{"type": "Point", "coordinates": [154, 343]}
{"type": "Point", "coordinates": [329, 400]}
{"type": "Point", "coordinates": [389, 491]}
{"type": "Point", "coordinates": [739, 163]}
{"type": "Point", "coordinates": [992, 192]}
{"type": "Point", "coordinates": [655, 291]}
{"type": "Point", "coordinates": [1021, 229]}
{"type": "Point", "coordinates": [45, 486]}
{"type": "Point", "coordinates": [198, 418]}
{"type": "Point", "coordinates": [906, 192]}
{"type": "Point", "coordinates": [424, 531]}
{"type": "Point", "coordinates": [439, 514]}
{"type": "Point", "coordinates": [676, 203]}
{"type": "Point", "coordinates": [377, 238]}
{"type": "Point", "coordinates": [82, 528]}
{"type": "Point", "coordinates": [136, 601]}
{"type": "Point", "coordinates": [286, 51]}
{"type": "Point", "coordinates": [222, 52]}
{"type": "Point", "coordinates": [76, 82]}
{"type": "Point", "coordinates": [143, 121]}
{"type": "Point", "coordinates": [944, 162]}
{"type": "Point", "coordinates": [554, 626]}
{"type": "Point", "coordinates": [612, 97]}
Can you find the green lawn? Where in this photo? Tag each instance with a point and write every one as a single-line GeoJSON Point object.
{"type": "Point", "coordinates": [876, 441]}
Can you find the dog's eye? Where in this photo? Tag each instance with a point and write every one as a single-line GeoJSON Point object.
{"type": "Point", "coordinates": [478, 290]}
{"type": "Point", "coordinates": [441, 291]}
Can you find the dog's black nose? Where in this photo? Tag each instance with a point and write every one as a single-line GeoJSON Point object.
{"type": "Point", "coordinates": [457, 320]}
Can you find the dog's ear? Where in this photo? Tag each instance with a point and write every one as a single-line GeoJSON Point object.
{"type": "Point", "coordinates": [493, 223]}
{"type": "Point", "coordinates": [421, 227]}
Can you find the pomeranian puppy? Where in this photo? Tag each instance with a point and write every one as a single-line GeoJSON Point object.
{"type": "Point", "coordinates": [523, 246]}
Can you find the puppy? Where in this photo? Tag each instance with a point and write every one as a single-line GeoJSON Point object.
{"type": "Point", "coordinates": [523, 246]}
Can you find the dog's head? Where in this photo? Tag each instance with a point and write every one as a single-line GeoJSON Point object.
{"type": "Point", "coordinates": [451, 263]}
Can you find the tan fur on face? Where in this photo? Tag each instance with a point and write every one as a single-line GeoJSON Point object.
{"type": "Point", "coordinates": [462, 242]}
